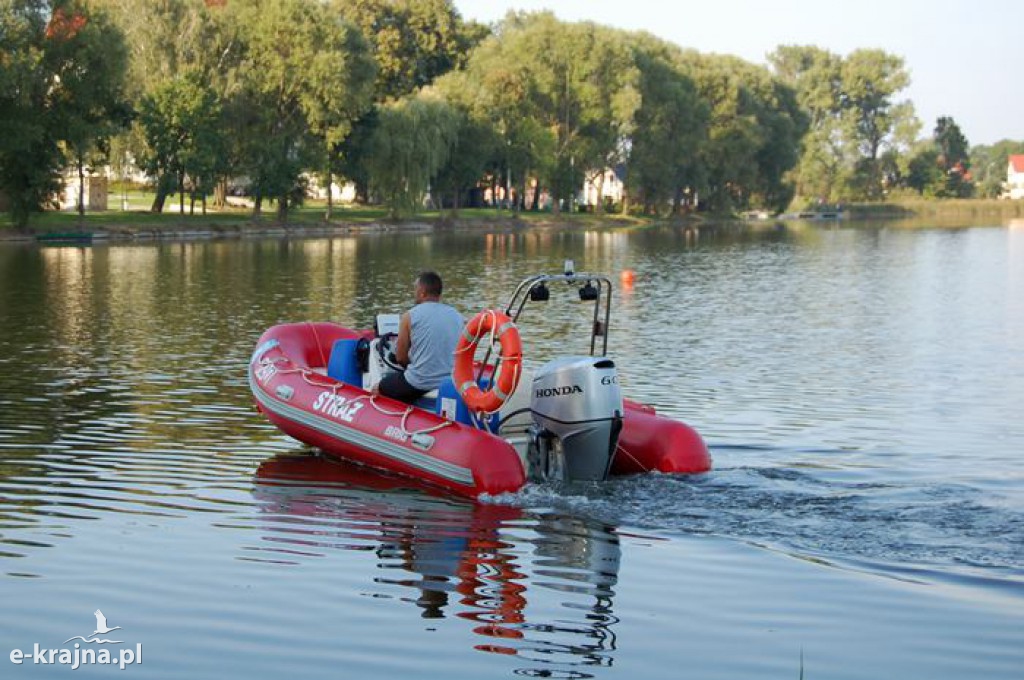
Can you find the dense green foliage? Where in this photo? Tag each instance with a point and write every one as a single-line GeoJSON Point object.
{"type": "Point", "coordinates": [988, 165]}
{"type": "Point", "coordinates": [410, 102]}
{"type": "Point", "coordinates": [940, 168]}
{"type": "Point", "coordinates": [857, 131]}
{"type": "Point", "coordinates": [670, 124]}
{"type": "Point", "coordinates": [412, 141]}
{"type": "Point", "coordinates": [62, 68]}
{"type": "Point", "coordinates": [180, 120]}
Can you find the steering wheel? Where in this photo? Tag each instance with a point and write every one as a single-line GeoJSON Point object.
{"type": "Point", "coordinates": [386, 353]}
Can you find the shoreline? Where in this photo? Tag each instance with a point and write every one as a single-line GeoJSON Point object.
{"type": "Point", "coordinates": [172, 229]}
{"type": "Point", "coordinates": [117, 227]}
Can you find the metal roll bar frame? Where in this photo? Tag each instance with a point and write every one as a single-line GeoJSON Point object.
{"type": "Point", "coordinates": [604, 290]}
{"type": "Point", "coordinates": [522, 294]}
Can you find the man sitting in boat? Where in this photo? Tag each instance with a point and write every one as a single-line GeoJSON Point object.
{"type": "Point", "coordinates": [427, 336]}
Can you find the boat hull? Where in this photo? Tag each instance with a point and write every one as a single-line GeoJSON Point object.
{"type": "Point", "coordinates": [653, 443]}
{"type": "Point", "coordinates": [348, 422]}
{"type": "Point", "coordinates": [288, 381]}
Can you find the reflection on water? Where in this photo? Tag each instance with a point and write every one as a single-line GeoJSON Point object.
{"type": "Point", "coordinates": [449, 557]}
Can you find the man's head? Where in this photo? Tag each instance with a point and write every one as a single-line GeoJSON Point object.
{"type": "Point", "coordinates": [428, 286]}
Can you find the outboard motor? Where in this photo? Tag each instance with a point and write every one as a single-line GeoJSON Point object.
{"type": "Point", "coordinates": [577, 413]}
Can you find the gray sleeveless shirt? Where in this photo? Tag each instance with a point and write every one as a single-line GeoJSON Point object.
{"type": "Point", "coordinates": [435, 331]}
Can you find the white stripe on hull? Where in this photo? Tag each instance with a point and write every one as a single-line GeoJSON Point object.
{"type": "Point", "coordinates": [363, 440]}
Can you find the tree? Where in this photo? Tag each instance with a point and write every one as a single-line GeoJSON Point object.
{"type": "Point", "coordinates": [167, 40]}
{"type": "Point", "coordinates": [952, 145]}
{"type": "Point", "coordinates": [940, 166]}
{"type": "Point", "coordinates": [301, 85]}
{"type": "Point", "coordinates": [59, 94]}
{"type": "Point", "coordinates": [413, 41]}
{"type": "Point", "coordinates": [785, 125]}
{"type": "Point", "coordinates": [872, 120]}
{"type": "Point", "coordinates": [181, 122]}
{"type": "Point", "coordinates": [754, 131]}
{"type": "Point", "coordinates": [953, 159]}
{"type": "Point", "coordinates": [857, 131]}
{"type": "Point", "coordinates": [496, 91]}
{"type": "Point", "coordinates": [923, 172]}
{"type": "Point", "coordinates": [586, 93]}
{"type": "Point", "coordinates": [354, 153]}
{"type": "Point", "coordinates": [611, 97]}
{"type": "Point", "coordinates": [411, 143]}
{"type": "Point", "coordinates": [478, 143]}
{"type": "Point", "coordinates": [332, 120]}
{"type": "Point", "coordinates": [577, 81]}
{"type": "Point", "coordinates": [88, 94]}
{"type": "Point", "coordinates": [815, 75]}
{"type": "Point", "coordinates": [29, 153]}
{"type": "Point", "coordinates": [989, 165]}
{"type": "Point", "coordinates": [670, 125]}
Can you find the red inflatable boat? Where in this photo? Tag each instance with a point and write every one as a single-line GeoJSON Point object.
{"type": "Point", "coordinates": [567, 421]}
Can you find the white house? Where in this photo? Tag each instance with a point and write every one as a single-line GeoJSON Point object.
{"type": "Point", "coordinates": [595, 192]}
{"type": "Point", "coordinates": [343, 193]}
{"type": "Point", "coordinates": [1015, 177]}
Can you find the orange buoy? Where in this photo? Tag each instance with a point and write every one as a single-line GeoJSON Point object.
{"type": "Point", "coordinates": [505, 381]}
{"type": "Point", "coordinates": [627, 277]}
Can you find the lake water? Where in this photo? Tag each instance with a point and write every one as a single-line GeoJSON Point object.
{"type": "Point", "coordinates": [861, 390]}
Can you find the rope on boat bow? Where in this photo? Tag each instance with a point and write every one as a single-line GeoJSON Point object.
{"type": "Point", "coordinates": [309, 377]}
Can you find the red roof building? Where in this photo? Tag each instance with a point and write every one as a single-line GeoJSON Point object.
{"type": "Point", "coordinates": [1015, 177]}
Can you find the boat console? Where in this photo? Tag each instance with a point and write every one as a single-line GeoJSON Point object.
{"type": "Point", "coordinates": [564, 421]}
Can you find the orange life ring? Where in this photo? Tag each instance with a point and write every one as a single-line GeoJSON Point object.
{"type": "Point", "coordinates": [505, 381]}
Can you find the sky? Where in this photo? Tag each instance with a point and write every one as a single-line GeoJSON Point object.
{"type": "Point", "coordinates": [965, 58]}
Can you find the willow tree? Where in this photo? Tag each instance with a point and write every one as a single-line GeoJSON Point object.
{"type": "Point", "coordinates": [411, 143]}
{"type": "Point", "coordinates": [478, 144]}
{"type": "Point", "coordinates": [413, 42]}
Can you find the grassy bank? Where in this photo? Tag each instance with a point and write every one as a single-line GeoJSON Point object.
{"type": "Point", "coordinates": [950, 208]}
{"type": "Point", "coordinates": [238, 220]}
{"type": "Point", "coordinates": [136, 220]}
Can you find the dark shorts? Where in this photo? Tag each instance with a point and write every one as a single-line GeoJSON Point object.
{"type": "Point", "coordinates": [395, 386]}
